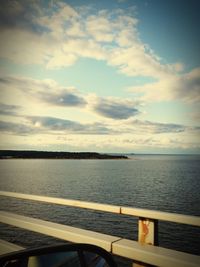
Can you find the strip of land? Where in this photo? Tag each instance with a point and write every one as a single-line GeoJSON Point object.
{"type": "Point", "coordinates": [24, 154]}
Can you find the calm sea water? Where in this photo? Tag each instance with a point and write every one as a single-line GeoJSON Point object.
{"type": "Point", "coordinates": [165, 183]}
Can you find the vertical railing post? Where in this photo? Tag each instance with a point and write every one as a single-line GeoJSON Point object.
{"type": "Point", "coordinates": [147, 233]}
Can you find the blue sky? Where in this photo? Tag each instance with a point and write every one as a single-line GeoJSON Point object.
{"type": "Point", "coordinates": [107, 76]}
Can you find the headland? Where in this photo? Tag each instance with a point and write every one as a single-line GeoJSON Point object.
{"type": "Point", "coordinates": [27, 154]}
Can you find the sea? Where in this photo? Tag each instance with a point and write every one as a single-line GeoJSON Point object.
{"type": "Point", "coordinates": [168, 183]}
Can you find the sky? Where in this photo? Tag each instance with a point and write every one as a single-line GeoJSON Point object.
{"type": "Point", "coordinates": [117, 76]}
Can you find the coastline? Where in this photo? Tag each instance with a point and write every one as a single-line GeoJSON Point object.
{"type": "Point", "coordinates": [19, 154]}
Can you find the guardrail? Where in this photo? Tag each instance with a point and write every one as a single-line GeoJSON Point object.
{"type": "Point", "coordinates": [144, 251]}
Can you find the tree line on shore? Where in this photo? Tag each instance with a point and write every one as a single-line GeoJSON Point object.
{"type": "Point", "coordinates": [26, 154]}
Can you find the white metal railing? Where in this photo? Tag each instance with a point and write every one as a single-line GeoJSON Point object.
{"type": "Point", "coordinates": [145, 213]}
{"type": "Point", "coordinates": [6, 247]}
{"type": "Point", "coordinates": [138, 251]}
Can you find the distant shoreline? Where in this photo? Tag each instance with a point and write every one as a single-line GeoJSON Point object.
{"type": "Point", "coordinates": [25, 154]}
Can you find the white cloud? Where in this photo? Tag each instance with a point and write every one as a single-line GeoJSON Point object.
{"type": "Point", "coordinates": [58, 35]}
{"type": "Point", "coordinates": [100, 28]}
{"type": "Point", "coordinates": [189, 86]}
{"type": "Point", "coordinates": [103, 136]}
{"type": "Point", "coordinates": [126, 38]}
{"type": "Point", "coordinates": [51, 93]}
{"type": "Point", "coordinates": [84, 48]}
{"type": "Point", "coordinates": [185, 87]}
{"type": "Point", "coordinates": [113, 107]}
{"type": "Point", "coordinates": [157, 128]}
{"type": "Point", "coordinates": [46, 91]}
{"type": "Point", "coordinates": [61, 59]}
{"type": "Point", "coordinates": [56, 16]}
{"type": "Point", "coordinates": [75, 30]}
{"type": "Point", "coordinates": [134, 61]}
{"type": "Point", "coordinates": [24, 47]}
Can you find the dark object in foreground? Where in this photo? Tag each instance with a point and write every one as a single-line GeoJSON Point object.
{"type": "Point", "coordinates": [20, 154]}
{"type": "Point", "coordinates": [73, 255]}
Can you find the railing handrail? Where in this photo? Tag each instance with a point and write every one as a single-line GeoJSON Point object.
{"type": "Point", "coordinates": [137, 212]}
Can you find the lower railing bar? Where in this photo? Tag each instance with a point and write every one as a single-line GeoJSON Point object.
{"type": "Point", "coordinates": [147, 254]}
{"type": "Point", "coordinates": [153, 255]}
{"type": "Point", "coordinates": [64, 232]}
{"type": "Point", "coordinates": [7, 247]}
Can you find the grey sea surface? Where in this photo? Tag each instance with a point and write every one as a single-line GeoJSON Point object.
{"type": "Point", "coordinates": [158, 182]}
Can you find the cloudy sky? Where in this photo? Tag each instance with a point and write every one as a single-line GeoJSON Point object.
{"type": "Point", "coordinates": [106, 76]}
